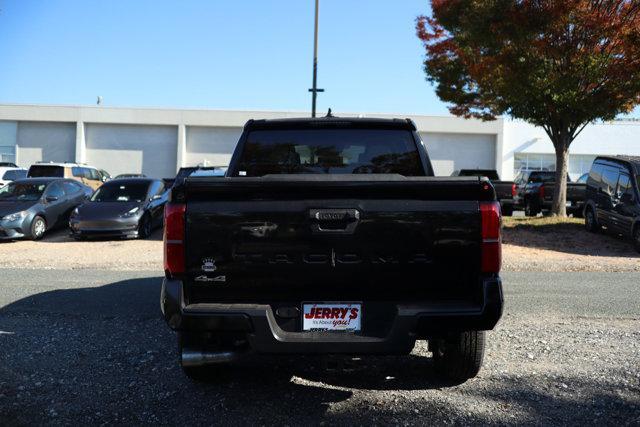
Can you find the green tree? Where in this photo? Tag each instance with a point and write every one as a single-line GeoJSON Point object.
{"type": "Point", "coordinates": [558, 64]}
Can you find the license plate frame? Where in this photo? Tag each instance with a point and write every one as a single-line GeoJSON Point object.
{"type": "Point", "coordinates": [332, 321]}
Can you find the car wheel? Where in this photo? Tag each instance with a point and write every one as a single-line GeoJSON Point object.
{"type": "Point", "coordinates": [38, 227]}
{"type": "Point", "coordinates": [458, 356]}
{"type": "Point", "coordinates": [636, 238]}
{"type": "Point", "coordinates": [507, 210]}
{"type": "Point", "coordinates": [144, 228]}
{"type": "Point", "coordinates": [530, 209]}
{"type": "Point", "coordinates": [590, 221]}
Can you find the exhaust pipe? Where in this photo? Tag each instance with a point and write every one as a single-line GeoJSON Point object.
{"type": "Point", "coordinates": [191, 358]}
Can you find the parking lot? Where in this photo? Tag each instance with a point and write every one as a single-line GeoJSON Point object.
{"type": "Point", "coordinates": [529, 245]}
{"type": "Point", "coordinates": [88, 345]}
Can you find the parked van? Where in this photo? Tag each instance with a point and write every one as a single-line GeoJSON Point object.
{"type": "Point", "coordinates": [87, 175]}
{"type": "Point", "coordinates": [613, 196]}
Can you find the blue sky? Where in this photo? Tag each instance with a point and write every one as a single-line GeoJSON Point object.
{"type": "Point", "coordinates": [242, 54]}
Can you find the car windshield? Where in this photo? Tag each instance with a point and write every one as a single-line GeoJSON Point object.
{"type": "Point", "coordinates": [46, 171]}
{"type": "Point", "coordinates": [330, 151]}
{"type": "Point", "coordinates": [120, 192]}
{"type": "Point", "coordinates": [22, 192]}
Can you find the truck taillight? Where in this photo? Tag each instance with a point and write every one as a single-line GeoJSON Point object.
{"type": "Point", "coordinates": [542, 192]}
{"type": "Point", "coordinates": [174, 238]}
{"type": "Point", "coordinates": [514, 190]}
{"type": "Point", "coordinates": [491, 246]}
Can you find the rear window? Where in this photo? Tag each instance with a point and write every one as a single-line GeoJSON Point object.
{"type": "Point", "coordinates": [491, 174]}
{"type": "Point", "coordinates": [330, 151]}
{"type": "Point", "coordinates": [13, 175]}
{"type": "Point", "coordinates": [542, 177]}
{"type": "Point", "coordinates": [46, 171]}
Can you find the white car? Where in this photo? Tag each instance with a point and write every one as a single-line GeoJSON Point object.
{"type": "Point", "coordinates": [8, 174]}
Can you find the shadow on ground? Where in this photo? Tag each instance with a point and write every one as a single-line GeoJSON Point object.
{"type": "Point", "coordinates": [567, 237]}
{"type": "Point", "coordinates": [103, 355]}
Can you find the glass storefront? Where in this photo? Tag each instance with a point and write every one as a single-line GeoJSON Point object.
{"type": "Point", "coordinates": [8, 153]}
{"type": "Point", "coordinates": [579, 164]}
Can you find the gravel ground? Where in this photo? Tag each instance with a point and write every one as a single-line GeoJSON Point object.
{"type": "Point", "coordinates": [58, 251]}
{"type": "Point", "coordinates": [88, 347]}
{"type": "Point", "coordinates": [524, 249]}
{"type": "Point", "coordinates": [548, 244]}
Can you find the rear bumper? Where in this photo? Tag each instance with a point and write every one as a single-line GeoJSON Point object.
{"type": "Point", "coordinates": [264, 335]}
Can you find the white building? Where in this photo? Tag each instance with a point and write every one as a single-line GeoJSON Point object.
{"type": "Point", "coordinates": [157, 141]}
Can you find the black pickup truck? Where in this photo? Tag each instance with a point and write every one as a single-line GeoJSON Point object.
{"type": "Point", "coordinates": [534, 193]}
{"type": "Point", "coordinates": [505, 190]}
{"type": "Point", "coordinates": [332, 236]}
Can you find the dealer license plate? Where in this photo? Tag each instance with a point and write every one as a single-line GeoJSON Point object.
{"type": "Point", "coordinates": [331, 317]}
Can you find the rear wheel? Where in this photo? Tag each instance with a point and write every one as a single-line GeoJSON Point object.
{"type": "Point", "coordinates": [458, 356]}
{"type": "Point", "coordinates": [507, 210]}
{"type": "Point", "coordinates": [531, 208]}
{"type": "Point", "coordinates": [636, 237]}
{"type": "Point", "coordinates": [590, 221]}
{"type": "Point", "coordinates": [38, 227]}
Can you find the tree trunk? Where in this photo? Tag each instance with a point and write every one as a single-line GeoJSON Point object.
{"type": "Point", "coordinates": [559, 206]}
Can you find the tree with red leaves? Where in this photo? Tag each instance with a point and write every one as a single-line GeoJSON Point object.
{"type": "Point", "coordinates": [558, 64]}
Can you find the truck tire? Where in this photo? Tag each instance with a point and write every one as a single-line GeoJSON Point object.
{"type": "Point", "coordinates": [507, 210]}
{"type": "Point", "coordinates": [531, 208]}
{"type": "Point", "coordinates": [636, 237]}
{"type": "Point", "coordinates": [577, 211]}
{"type": "Point", "coordinates": [459, 356]}
{"type": "Point", "coordinates": [591, 221]}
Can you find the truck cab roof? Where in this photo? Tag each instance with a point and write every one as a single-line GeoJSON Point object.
{"type": "Point", "coordinates": [331, 122]}
{"type": "Point", "coordinates": [633, 161]}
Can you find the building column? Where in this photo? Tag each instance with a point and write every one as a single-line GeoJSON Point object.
{"type": "Point", "coordinates": [182, 146]}
{"type": "Point", "coordinates": [81, 146]}
{"type": "Point", "coordinates": [500, 152]}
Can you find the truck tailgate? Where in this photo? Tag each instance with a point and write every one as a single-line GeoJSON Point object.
{"type": "Point", "coordinates": [332, 237]}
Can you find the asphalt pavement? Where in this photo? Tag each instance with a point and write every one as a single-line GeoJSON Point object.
{"type": "Point", "coordinates": [87, 346]}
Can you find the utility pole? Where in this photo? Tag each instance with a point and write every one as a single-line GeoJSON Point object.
{"type": "Point", "coordinates": [314, 91]}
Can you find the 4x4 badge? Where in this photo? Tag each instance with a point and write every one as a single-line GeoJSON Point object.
{"type": "Point", "coordinates": [209, 265]}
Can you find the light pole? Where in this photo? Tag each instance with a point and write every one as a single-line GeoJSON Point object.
{"type": "Point", "coordinates": [314, 90]}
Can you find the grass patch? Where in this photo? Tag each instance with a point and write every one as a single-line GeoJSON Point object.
{"type": "Point", "coordinates": [542, 223]}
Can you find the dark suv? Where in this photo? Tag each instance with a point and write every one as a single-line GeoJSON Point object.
{"type": "Point", "coordinates": [612, 197]}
